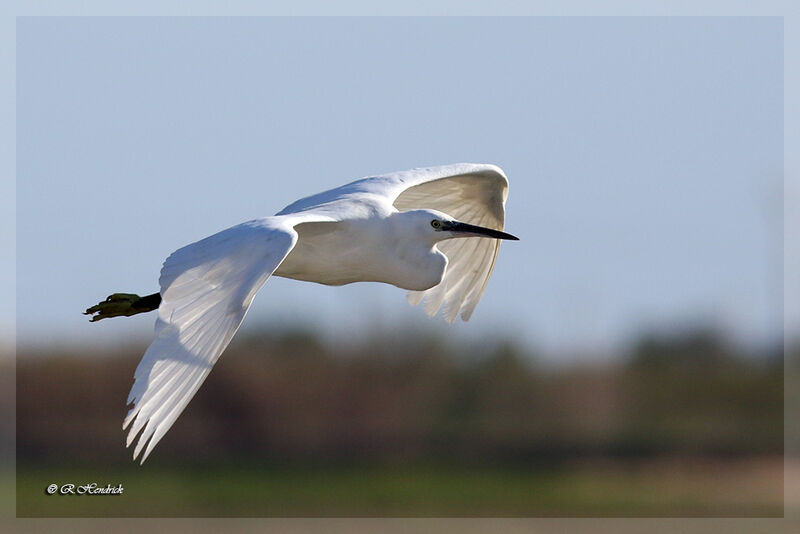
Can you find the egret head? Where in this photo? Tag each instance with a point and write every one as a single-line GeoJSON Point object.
{"type": "Point", "coordinates": [438, 226]}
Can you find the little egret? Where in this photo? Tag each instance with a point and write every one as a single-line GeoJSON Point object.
{"type": "Point", "coordinates": [397, 228]}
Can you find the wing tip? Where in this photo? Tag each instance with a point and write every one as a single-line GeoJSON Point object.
{"type": "Point", "coordinates": [142, 437]}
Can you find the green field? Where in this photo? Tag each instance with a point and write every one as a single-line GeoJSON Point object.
{"type": "Point", "coordinates": [667, 488]}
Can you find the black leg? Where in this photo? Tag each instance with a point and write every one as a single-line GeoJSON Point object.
{"type": "Point", "coordinates": [123, 305]}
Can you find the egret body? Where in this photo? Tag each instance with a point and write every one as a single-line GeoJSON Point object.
{"type": "Point", "coordinates": [417, 230]}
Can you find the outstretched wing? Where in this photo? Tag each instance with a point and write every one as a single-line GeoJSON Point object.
{"type": "Point", "coordinates": [206, 289]}
{"type": "Point", "coordinates": [468, 192]}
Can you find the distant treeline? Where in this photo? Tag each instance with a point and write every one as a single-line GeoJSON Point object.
{"type": "Point", "coordinates": [289, 398]}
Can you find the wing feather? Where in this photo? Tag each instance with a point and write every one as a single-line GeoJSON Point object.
{"type": "Point", "coordinates": [206, 290]}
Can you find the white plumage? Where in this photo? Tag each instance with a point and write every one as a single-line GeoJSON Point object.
{"type": "Point", "coordinates": [398, 228]}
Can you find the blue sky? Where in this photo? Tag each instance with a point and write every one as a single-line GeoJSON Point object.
{"type": "Point", "coordinates": [645, 158]}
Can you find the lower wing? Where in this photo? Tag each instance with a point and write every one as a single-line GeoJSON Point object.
{"type": "Point", "coordinates": [206, 289]}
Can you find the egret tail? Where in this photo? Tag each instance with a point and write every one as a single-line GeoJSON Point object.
{"type": "Point", "coordinates": [123, 305]}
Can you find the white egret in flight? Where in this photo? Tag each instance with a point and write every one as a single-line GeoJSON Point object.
{"type": "Point", "coordinates": [400, 229]}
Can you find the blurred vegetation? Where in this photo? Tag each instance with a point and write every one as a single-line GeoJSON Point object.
{"type": "Point", "coordinates": [388, 415]}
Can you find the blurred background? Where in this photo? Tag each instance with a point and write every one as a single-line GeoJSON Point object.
{"type": "Point", "coordinates": [626, 358]}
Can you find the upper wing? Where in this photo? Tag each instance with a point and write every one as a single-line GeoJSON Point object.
{"type": "Point", "coordinates": [471, 193]}
{"type": "Point", "coordinates": [206, 289]}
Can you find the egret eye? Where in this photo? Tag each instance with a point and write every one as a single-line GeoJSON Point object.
{"type": "Point", "coordinates": [436, 224]}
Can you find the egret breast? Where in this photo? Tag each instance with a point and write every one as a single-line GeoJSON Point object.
{"type": "Point", "coordinates": [337, 253]}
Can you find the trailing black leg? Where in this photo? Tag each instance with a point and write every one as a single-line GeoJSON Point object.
{"type": "Point", "coordinates": [123, 305]}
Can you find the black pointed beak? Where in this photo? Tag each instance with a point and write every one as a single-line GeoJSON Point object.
{"type": "Point", "coordinates": [476, 231]}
